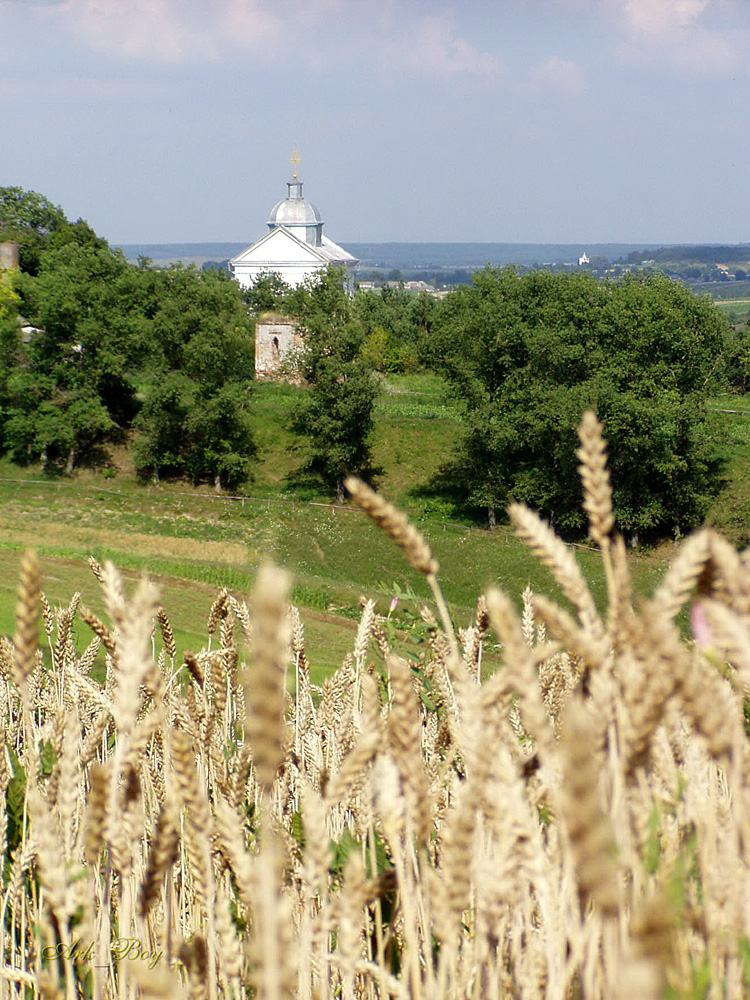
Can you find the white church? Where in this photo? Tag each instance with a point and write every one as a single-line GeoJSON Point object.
{"type": "Point", "coordinates": [294, 246]}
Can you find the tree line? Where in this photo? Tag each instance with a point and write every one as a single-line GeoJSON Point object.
{"type": "Point", "coordinates": [166, 356]}
{"type": "Point", "coordinates": [524, 354]}
{"type": "Point", "coordinates": [113, 348]}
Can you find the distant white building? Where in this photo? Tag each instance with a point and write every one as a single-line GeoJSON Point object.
{"type": "Point", "coordinates": [294, 246]}
{"type": "Point", "coordinates": [583, 259]}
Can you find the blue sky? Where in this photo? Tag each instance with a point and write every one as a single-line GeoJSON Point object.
{"type": "Point", "coordinates": [511, 121]}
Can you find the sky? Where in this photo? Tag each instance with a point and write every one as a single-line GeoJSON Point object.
{"type": "Point", "coordinates": [562, 121]}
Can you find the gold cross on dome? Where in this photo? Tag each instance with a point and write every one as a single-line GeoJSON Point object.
{"type": "Point", "coordinates": [294, 159]}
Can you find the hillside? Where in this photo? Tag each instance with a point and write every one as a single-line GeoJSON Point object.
{"type": "Point", "coordinates": [193, 541]}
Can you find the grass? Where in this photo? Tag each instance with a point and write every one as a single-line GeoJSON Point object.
{"type": "Point", "coordinates": [730, 512]}
{"type": "Point", "coordinates": [737, 311]}
{"type": "Point", "coordinates": [409, 403]}
{"type": "Point", "coordinates": [193, 541]}
{"type": "Point", "coordinates": [220, 541]}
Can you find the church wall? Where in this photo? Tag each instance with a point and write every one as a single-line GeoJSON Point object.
{"type": "Point", "coordinates": [292, 274]}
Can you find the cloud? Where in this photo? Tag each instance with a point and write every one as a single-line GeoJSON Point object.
{"type": "Point", "coordinates": [656, 17]}
{"type": "Point", "coordinates": [433, 48]}
{"type": "Point", "coordinates": [673, 29]}
{"type": "Point", "coordinates": [179, 31]}
{"type": "Point", "coordinates": [172, 30]}
{"type": "Point", "coordinates": [561, 76]}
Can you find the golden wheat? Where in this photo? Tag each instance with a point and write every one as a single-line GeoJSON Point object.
{"type": "Point", "coordinates": [572, 827]}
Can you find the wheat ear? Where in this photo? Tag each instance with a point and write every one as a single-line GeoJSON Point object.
{"type": "Point", "coordinates": [163, 854]}
{"type": "Point", "coordinates": [405, 737]}
{"type": "Point", "coordinates": [588, 828]}
{"type": "Point", "coordinates": [166, 632]}
{"type": "Point", "coordinates": [576, 640]}
{"type": "Point", "coordinates": [412, 543]}
{"type": "Point", "coordinates": [265, 685]}
{"type": "Point", "coordinates": [28, 613]}
{"type": "Point", "coordinates": [597, 492]}
{"type": "Point", "coordinates": [560, 561]}
{"type": "Point", "coordinates": [682, 576]}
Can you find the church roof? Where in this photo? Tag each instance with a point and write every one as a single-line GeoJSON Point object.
{"type": "Point", "coordinates": [282, 246]}
{"type": "Point", "coordinates": [336, 253]}
{"type": "Point", "coordinates": [295, 210]}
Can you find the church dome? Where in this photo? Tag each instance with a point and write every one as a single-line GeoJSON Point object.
{"type": "Point", "coordinates": [297, 213]}
{"type": "Point", "coordinates": [294, 210]}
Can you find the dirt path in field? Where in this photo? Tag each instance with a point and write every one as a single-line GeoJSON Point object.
{"type": "Point", "coordinates": [61, 533]}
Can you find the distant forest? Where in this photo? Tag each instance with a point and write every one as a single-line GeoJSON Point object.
{"type": "Point", "coordinates": [710, 268]}
{"type": "Point", "coordinates": [412, 255]}
{"type": "Point", "coordinates": [708, 254]}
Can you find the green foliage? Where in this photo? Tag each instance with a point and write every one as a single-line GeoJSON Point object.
{"type": "Point", "coordinates": [30, 219]}
{"type": "Point", "coordinates": [10, 300]}
{"type": "Point", "coordinates": [15, 801]}
{"type": "Point", "coordinates": [383, 351]}
{"type": "Point", "coordinates": [68, 389]}
{"type": "Point", "coordinates": [199, 358]}
{"type": "Point", "coordinates": [528, 353]}
{"type": "Point", "coordinates": [163, 423]}
{"type": "Point", "coordinates": [336, 414]}
{"type": "Point", "coordinates": [268, 291]}
{"type": "Point", "coordinates": [102, 324]}
{"type": "Point", "coordinates": [736, 357]}
{"type": "Point", "coordinates": [397, 326]}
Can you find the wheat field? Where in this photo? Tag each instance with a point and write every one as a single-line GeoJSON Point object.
{"type": "Point", "coordinates": [573, 826]}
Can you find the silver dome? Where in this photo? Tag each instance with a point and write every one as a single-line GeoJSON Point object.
{"type": "Point", "coordinates": [294, 212]}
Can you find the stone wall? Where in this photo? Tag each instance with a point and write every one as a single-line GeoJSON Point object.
{"type": "Point", "coordinates": [275, 338]}
{"type": "Point", "coordinates": [9, 255]}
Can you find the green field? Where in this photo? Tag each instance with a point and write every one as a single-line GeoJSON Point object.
{"type": "Point", "coordinates": [737, 311]}
{"type": "Point", "coordinates": [193, 541]}
{"type": "Point", "coordinates": [730, 512]}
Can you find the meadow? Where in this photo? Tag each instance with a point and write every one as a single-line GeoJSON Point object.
{"type": "Point", "coordinates": [736, 310]}
{"type": "Point", "coordinates": [193, 542]}
{"type": "Point", "coordinates": [569, 825]}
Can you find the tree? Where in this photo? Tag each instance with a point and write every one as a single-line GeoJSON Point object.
{"type": "Point", "coordinates": [10, 300]}
{"type": "Point", "coordinates": [336, 413]}
{"type": "Point", "coordinates": [268, 291]}
{"type": "Point", "coordinates": [101, 324]}
{"type": "Point", "coordinates": [403, 317]}
{"type": "Point", "coordinates": [528, 353]}
{"type": "Point", "coordinates": [69, 389]}
{"type": "Point", "coordinates": [10, 342]}
{"type": "Point", "coordinates": [195, 416]}
{"type": "Point", "coordinates": [30, 219]}
{"type": "Point", "coordinates": [161, 442]}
